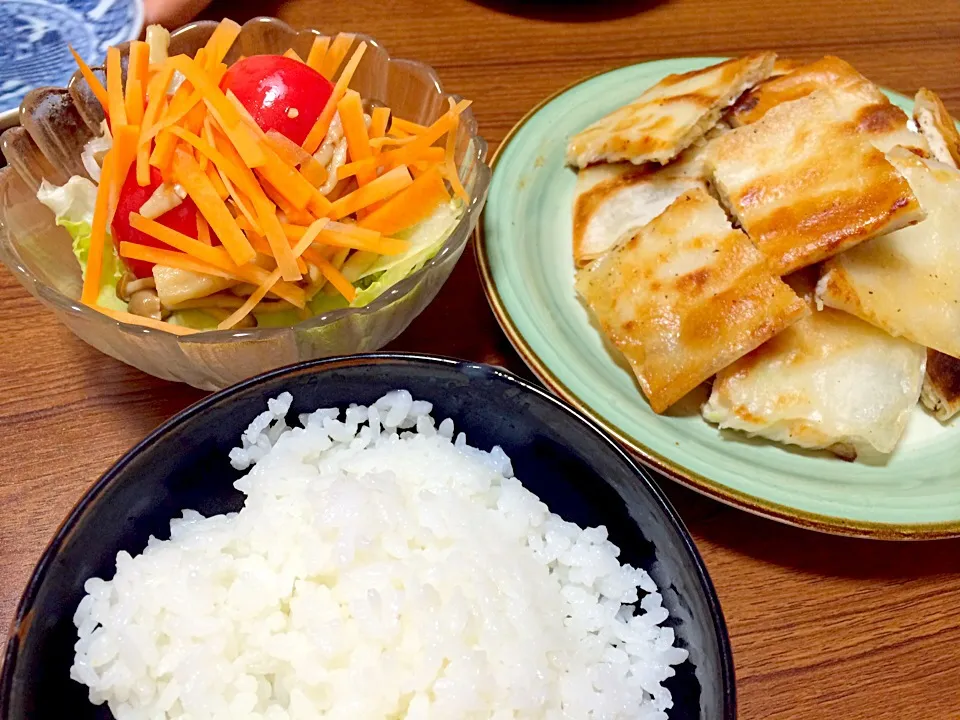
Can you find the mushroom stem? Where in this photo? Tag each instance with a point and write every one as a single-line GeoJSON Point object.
{"type": "Point", "coordinates": [128, 284]}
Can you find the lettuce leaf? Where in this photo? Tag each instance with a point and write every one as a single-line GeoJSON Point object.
{"type": "Point", "coordinates": [73, 204]}
{"type": "Point", "coordinates": [112, 267]}
{"type": "Point", "coordinates": [425, 238]}
{"type": "Point", "coordinates": [196, 319]}
{"type": "Point", "coordinates": [277, 319]}
{"type": "Point", "coordinates": [322, 303]}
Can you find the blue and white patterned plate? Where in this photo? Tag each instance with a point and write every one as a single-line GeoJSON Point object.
{"type": "Point", "coordinates": [34, 53]}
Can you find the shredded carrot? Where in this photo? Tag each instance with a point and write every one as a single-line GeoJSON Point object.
{"type": "Point", "coordinates": [184, 91]}
{"type": "Point", "coordinates": [243, 112]}
{"type": "Point", "coordinates": [345, 229]}
{"type": "Point", "coordinates": [276, 197]}
{"type": "Point", "coordinates": [246, 273]}
{"type": "Point", "coordinates": [310, 235]}
{"type": "Point", "coordinates": [176, 111]}
{"type": "Point", "coordinates": [124, 154]}
{"type": "Point", "coordinates": [156, 99]}
{"type": "Point", "coordinates": [199, 249]}
{"type": "Point", "coordinates": [398, 133]}
{"type": "Point", "coordinates": [383, 187]}
{"type": "Point", "coordinates": [138, 64]}
{"type": "Point", "coordinates": [163, 150]}
{"type": "Point", "coordinates": [99, 91]}
{"type": "Point", "coordinates": [287, 180]}
{"type": "Point", "coordinates": [298, 248]}
{"type": "Point", "coordinates": [353, 230]}
{"type": "Point", "coordinates": [216, 181]}
{"type": "Point", "coordinates": [184, 110]}
{"type": "Point", "coordinates": [203, 231]}
{"type": "Point", "coordinates": [353, 168]}
{"type": "Point", "coordinates": [314, 171]}
{"type": "Point", "coordinates": [294, 155]}
{"type": "Point", "coordinates": [237, 173]}
{"type": "Point", "coordinates": [406, 126]}
{"type": "Point", "coordinates": [239, 133]}
{"type": "Point", "coordinates": [334, 56]}
{"type": "Point", "coordinates": [259, 242]}
{"type": "Point", "coordinates": [319, 205]}
{"type": "Point", "coordinates": [410, 153]}
{"type": "Point", "coordinates": [287, 150]}
{"type": "Point", "coordinates": [133, 102]}
{"type": "Point", "coordinates": [409, 206]}
{"type": "Point", "coordinates": [284, 290]}
{"type": "Point", "coordinates": [131, 319]}
{"type": "Point", "coordinates": [286, 262]}
{"type": "Point", "coordinates": [220, 42]}
{"type": "Point", "coordinates": [317, 52]}
{"type": "Point", "coordinates": [116, 109]}
{"type": "Point", "coordinates": [329, 236]}
{"type": "Point", "coordinates": [227, 166]}
{"type": "Point", "coordinates": [208, 133]}
{"type": "Point", "coordinates": [262, 289]}
{"type": "Point", "coordinates": [355, 131]}
{"type": "Point", "coordinates": [319, 130]}
{"type": "Point", "coordinates": [395, 141]}
{"type": "Point", "coordinates": [242, 203]}
{"type": "Point", "coordinates": [293, 232]}
{"type": "Point", "coordinates": [293, 55]}
{"type": "Point", "coordinates": [201, 191]}
{"type": "Point", "coordinates": [251, 302]}
{"type": "Point", "coordinates": [203, 161]}
{"type": "Point", "coordinates": [382, 245]}
{"type": "Point", "coordinates": [206, 253]}
{"type": "Point", "coordinates": [425, 159]}
{"type": "Point", "coordinates": [143, 165]}
{"type": "Point", "coordinates": [431, 156]}
{"type": "Point", "coordinates": [98, 231]}
{"type": "Point", "coordinates": [379, 119]}
{"type": "Point", "coordinates": [125, 141]}
{"type": "Point", "coordinates": [169, 258]}
{"type": "Point", "coordinates": [247, 191]}
{"type": "Point", "coordinates": [450, 170]}
{"type": "Point", "coordinates": [261, 245]}
{"type": "Point", "coordinates": [331, 273]}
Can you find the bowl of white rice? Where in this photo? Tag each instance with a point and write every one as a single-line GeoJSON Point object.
{"type": "Point", "coordinates": [372, 537]}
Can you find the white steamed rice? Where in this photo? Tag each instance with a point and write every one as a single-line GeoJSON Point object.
{"type": "Point", "coordinates": [378, 569]}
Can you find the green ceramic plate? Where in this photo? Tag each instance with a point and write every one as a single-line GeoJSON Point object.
{"type": "Point", "coordinates": [524, 252]}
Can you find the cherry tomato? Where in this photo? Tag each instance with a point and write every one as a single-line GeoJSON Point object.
{"type": "Point", "coordinates": [280, 93]}
{"type": "Point", "coordinates": [182, 218]}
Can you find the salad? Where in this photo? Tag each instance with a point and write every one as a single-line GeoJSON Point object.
{"type": "Point", "coordinates": [256, 194]}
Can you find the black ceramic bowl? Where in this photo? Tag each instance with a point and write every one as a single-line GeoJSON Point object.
{"type": "Point", "coordinates": [557, 453]}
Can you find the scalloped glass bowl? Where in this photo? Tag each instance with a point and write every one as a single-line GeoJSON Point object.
{"type": "Point", "coordinates": [57, 122]}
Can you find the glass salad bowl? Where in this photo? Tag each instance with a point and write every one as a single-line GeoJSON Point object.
{"type": "Point", "coordinates": [56, 123]}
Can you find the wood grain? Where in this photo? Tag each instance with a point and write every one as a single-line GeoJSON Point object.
{"type": "Point", "coordinates": [822, 627]}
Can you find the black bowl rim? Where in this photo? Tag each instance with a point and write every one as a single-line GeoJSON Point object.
{"type": "Point", "coordinates": [25, 604]}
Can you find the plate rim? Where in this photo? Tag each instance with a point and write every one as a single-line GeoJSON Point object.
{"type": "Point", "coordinates": [830, 524]}
{"type": "Point", "coordinates": [11, 116]}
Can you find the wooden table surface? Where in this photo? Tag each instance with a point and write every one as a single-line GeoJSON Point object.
{"type": "Point", "coordinates": [822, 627]}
